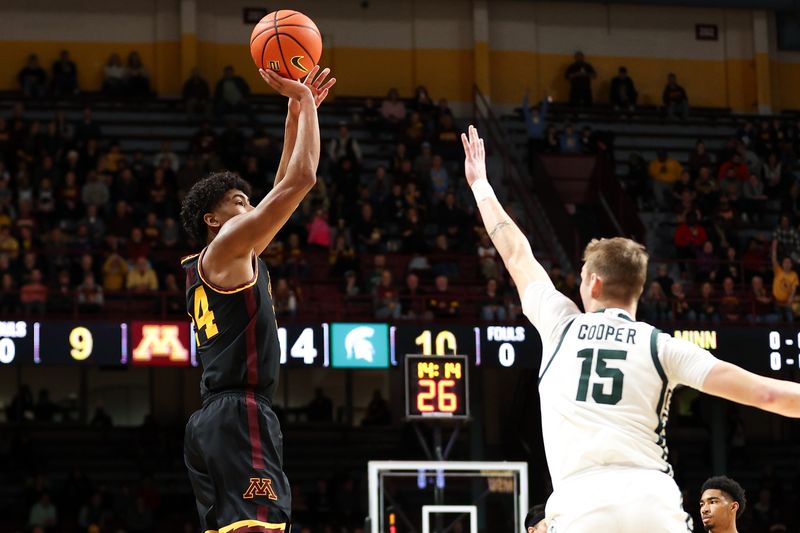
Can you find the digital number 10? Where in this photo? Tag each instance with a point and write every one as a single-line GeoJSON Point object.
{"type": "Point", "coordinates": [445, 342]}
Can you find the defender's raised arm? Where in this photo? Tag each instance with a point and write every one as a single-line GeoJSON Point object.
{"type": "Point", "coordinates": [510, 242]}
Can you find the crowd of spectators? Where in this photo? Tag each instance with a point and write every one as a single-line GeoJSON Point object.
{"type": "Point", "coordinates": [736, 241]}
{"type": "Point", "coordinates": [84, 222]}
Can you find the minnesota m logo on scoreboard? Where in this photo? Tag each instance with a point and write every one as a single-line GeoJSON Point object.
{"type": "Point", "coordinates": [260, 487]}
{"type": "Point", "coordinates": [160, 343]}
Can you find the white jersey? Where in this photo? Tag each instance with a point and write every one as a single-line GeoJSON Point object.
{"type": "Point", "coordinates": [605, 385]}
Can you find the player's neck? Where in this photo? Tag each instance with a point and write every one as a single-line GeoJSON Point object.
{"type": "Point", "coordinates": [600, 305]}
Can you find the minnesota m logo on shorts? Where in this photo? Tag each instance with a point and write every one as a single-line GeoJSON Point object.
{"type": "Point", "coordinates": [260, 487]}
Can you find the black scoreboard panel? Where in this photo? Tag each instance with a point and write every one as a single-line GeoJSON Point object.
{"type": "Point", "coordinates": [81, 343]}
{"type": "Point", "coordinates": [437, 386]}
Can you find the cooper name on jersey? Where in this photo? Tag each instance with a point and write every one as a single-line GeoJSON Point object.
{"type": "Point", "coordinates": [604, 332]}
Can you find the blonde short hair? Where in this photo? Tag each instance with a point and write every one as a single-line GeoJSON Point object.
{"type": "Point", "coordinates": [621, 264]}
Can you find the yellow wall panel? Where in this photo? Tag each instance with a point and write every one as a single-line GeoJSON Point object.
{"type": "Point", "coordinates": [788, 94]}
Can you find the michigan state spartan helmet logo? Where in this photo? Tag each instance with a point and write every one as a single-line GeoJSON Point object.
{"type": "Point", "coordinates": [357, 344]}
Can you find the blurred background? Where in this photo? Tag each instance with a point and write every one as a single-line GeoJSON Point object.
{"type": "Point", "coordinates": [675, 123]}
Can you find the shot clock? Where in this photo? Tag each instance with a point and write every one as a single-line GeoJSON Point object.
{"type": "Point", "coordinates": [437, 387]}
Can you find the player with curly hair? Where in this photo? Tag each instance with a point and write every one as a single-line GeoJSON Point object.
{"type": "Point", "coordinates": [233, 447]}
{"type": "Point", "coordinates": [722, 501]}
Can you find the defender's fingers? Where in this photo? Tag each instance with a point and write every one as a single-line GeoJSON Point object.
{"type": "Point", "coordinates": [309, 79]}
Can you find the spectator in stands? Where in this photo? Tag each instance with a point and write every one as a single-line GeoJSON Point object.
{"type": "Point", "coordinates": [681, 309]}
{"type": "Point", "coordinates": [231, 93]}
{"type": "Point", "coordinates": [33, 294]}
{"type": "Point", "coordinates": [730, 303]}
{"type": "Point", "coordinates": [762, 302]}
{"type": "Point", "coordinates": [296, 264]}
{"type": "Point", "coordinates": [367, 232]}
{"type": "Point", "coordinates": [773, 174]}
{"type": "Point", "coordinates": [569, 142]}
{"type": "Point", "coordinates": [535, 123]}
{"type": "Point", "coordinates": [138, 83]}
{"type": "Point", "coordinates": [655, 305]}
{"type": "Point", "coordinates": [385, 298]}
{"type": "Point", "coordinates": [9, 297]}
{"type": "Point", "coordinates": [413, 233]}
{"type": "Point", "coordinates": [412, 299]}
{"type": "Point", "coordinates": [589, 143]}
{"type": "Point", "coordinates": [95, 191]}
{"type": "Point", "coordinates": [196, 94]}
{"type": "Point", "coordinates": [342, 256]}
{"type": "Point", "coordinates": [284, 299]}
{"type": "Point", "coordinates": [734, 167]}
{"type": "Point", "coordinates": [94, 512]}
{"type": "Point", "coordinates": [114, 74]}
{"type": "Point", "coordinates": [345, 146]}
{"type": "Point", "coordinates": [690, 236]}
{"type": "Point", "coordinates": [60, 298]}
{"type": "Point", "coordinates": [664, 172]}
{"type": "Point", "coordinates": [378, 412]}
{"type": "Point", "coordinates": [142, 278]}
{"type": "Point", "coordinates": [9, 245]}
{"type": "Point", "coordinates": [623, 95]}
{"type": "Point", "coordinates": [350, 287]}
{"type": "Point", "coordinates": [675, 99]}
{"type": "Point", "coordinates": [447, 140]}
{"type": "Point", "coordinates": [487, 257]}
{"type": "Point", "coordinates": [580, 74]}
{"type": "Point", "coordinates": [784, 284]}
{"type": "Point", "coordinates": [32, 78]}
{"type": "Point", "coordinates": [706, 307]}
{"type": "Point", "coordinates": [753, 198]}
{"type": "Point", "coordinates": [87, 129]}
{"type": "Point", "coordinates": [65, 76]}
{"type": "Point", "coordinates": [787, 238]}
{"type": "Point", "coordinates": [439, 180]}
{"type": "Point", "coordinates": [707, 263]}
{"type": "Point", "coordinates": [414, 132]}
{"type": "Point", "coordinates": [552, 142]}
{"type": "Point", "coordinates": [167, 154]}
{"type": "Point", "coordinates": [320, 408]}
{"type": "Point", "coordinates": [443, 302]}
{"type": "Point", "coordinates": [370, 116]}
{"type": "Point", "coordinates": [494, 306]}
{"type": "Point", "coordinates": [393, 110]}
{"type": "Point", "coordinates": [90, 295]}
{"type": "Point", "coordinates": [698, 158]}
{"type": "Point", "coordinates": [43, 514]}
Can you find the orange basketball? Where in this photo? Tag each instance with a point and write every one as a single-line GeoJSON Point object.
{"type": "Point", "coordinates": [287, 42]}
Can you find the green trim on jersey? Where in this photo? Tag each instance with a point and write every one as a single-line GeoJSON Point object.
{"type": "Point", "coordinates": [662, 396]}
{"type": "Point", "coordinates": [560, 341]}
{"type": "Point", "coordinates": [619, 315]}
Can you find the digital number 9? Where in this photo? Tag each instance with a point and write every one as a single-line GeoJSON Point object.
{"type": "Point", "coordinates": [445, 342]}
{"type": "Point", "coordinates": [82, 343]}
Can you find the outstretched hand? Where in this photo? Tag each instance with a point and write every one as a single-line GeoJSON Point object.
{"type": "Point", "coordinates": [289, 88]}
{"type": "Point", "coordinates": [314, 85]}
{"type": "Point", "coordinates": [475, 160]}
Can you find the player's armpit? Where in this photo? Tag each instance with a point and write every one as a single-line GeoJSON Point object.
{"type": "Point", "coordinates": [738, 385]}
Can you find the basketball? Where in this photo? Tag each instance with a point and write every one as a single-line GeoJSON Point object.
{"type": "Point", "coordinates": [287, 42]}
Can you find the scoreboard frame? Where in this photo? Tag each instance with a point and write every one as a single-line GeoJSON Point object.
{"type": "Point", "coordinates": [438, 370]}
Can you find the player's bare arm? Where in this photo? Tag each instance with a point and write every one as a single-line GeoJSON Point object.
{"type": "Point", "coordinates": [228, 258]}
{"type": "Point", "coordinates": [738, 385]}
{"type": "Point", "coordinates": [510, 242]}
{"type": "Point", "coordinates": [319, 88]}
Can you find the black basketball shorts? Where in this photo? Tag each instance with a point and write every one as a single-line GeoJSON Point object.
{"type": "Point", "coordinates": [233, 449]}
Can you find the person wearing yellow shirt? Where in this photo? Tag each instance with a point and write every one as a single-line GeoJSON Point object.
{"type": "Point", "coordinates": [141, 278]}
{"type": "Point", "coordinates": [664, 172]}
{"type": "Point", "coordinates": [784, 284]}
{"type": "Point", "coordinates": [115, 272]}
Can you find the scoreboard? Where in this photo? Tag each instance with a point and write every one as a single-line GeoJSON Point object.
{"type": "Point", "coordinates": [767, 351]}
{"type": "Point", "coordinates": [437, 386]}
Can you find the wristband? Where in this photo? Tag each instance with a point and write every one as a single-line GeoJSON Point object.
{"type": "Point", "coordinates": [482, 190]}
